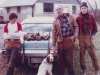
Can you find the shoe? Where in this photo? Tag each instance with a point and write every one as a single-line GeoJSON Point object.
{"type": "Point", "coordinates": [93, 72]}
{"type": "Point", "coordinates": [96, 73]}
{"type": "Point", "coordinates": [10, 71]}
{"type": "Point", "coordinates": [84, 72]}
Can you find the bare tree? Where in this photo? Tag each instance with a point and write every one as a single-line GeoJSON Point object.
{"type": "Point", "coordinates": [79, 1]}
{"type": "Point", "coordinates": [94, 9]}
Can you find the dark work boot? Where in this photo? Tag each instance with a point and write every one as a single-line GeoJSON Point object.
{"type": "Point", "coordinates": [61, 72]}
{"type": "Point", "coordinates": [71, 73]}
{"type": "Point", "coordinates": [10, 71]}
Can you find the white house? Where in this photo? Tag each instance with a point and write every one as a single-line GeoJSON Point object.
{"type": "Point", "coordinates": [30, 8]}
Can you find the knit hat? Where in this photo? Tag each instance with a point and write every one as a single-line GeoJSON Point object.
{"type": "Point", "coordinates": [84, 4]}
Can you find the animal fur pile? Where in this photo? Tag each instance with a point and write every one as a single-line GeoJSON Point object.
{"type": "Point", "coordinates": [36, 36]}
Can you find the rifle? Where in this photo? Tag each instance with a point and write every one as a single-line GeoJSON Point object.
{"type": "Point", "coordinates": [48, 44]}
{"type": "Point", "coordinates": [91, 52]}
{"type": "Point", "coordinates": [23, 54]}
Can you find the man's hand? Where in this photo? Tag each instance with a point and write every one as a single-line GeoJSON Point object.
{"type": "Point", "coordinates": [75, 36]}
{"type": "Point", "coordinates": [92, 37]}
{"type": "Point", "coordinates": [72, 38]}
{"type": "Point", "coordinates": [54, 50]}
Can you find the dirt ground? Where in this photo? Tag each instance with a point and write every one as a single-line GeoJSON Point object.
{"type": "Point", "coordinates": [31, 71]}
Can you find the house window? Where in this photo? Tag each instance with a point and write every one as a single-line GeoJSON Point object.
{"type": "Point", "coordinates": [48, 7]}
{"type": "Point", "coordinates": [8, 10]}
{"type": "Point", "coordinates": [18, 9]}
{"type": "Point", "coordinates": [73, 9]}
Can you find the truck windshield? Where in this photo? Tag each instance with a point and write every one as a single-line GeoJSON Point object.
{"type": "Point", "coordinates": [37, 27]}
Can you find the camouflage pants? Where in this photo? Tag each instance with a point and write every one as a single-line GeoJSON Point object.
{"type": "Point", "coordinates": [12, 56]}
{"type": "Point", "coordinates": [65, 56]}
{"type": "Point", "coordinates": [84, 43]}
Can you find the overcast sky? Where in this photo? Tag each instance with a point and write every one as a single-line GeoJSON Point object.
{"type": "Point", "coordinates": [1, 1]}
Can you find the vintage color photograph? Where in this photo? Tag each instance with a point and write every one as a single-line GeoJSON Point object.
{"type": "Point", "coordinates": [49, 37]}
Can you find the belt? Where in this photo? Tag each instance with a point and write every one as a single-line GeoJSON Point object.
{"type": "Point", "coordinates": [84, 33]}
{"type": "Point", "coordinates": [13, 39]}
{"type": "Point", "coordinates": [67, 36]}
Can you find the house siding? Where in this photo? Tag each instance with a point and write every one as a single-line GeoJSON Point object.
{"type": "Point", "coordinates": [39, 9]}
{"type": "Point", "coordinates": [58, 2]}
{"type": "Point", "coordinates": [22, 15]}
{"type": "Point", "coordinates": [23, 10]}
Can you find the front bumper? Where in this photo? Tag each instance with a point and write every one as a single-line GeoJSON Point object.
{"type": "Point", "coordinates": [33, 54]}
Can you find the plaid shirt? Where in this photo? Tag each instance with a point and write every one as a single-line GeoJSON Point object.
{"type": "Point", "coordinates": [84, 24]}
{"type": "Point", "coordinates": [65, 27]}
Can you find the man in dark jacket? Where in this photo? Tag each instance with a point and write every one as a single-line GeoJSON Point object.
{"type": "Point", "coordinates": [87, 31]}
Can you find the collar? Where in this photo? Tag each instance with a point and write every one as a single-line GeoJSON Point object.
{"type": "Point", "coordinates": [65, 14]}
{"type": "Point", "coordinates": [84, 15]}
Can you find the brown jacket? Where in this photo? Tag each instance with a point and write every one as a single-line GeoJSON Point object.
{"type": "Point", "coordinates": [56, 30]}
